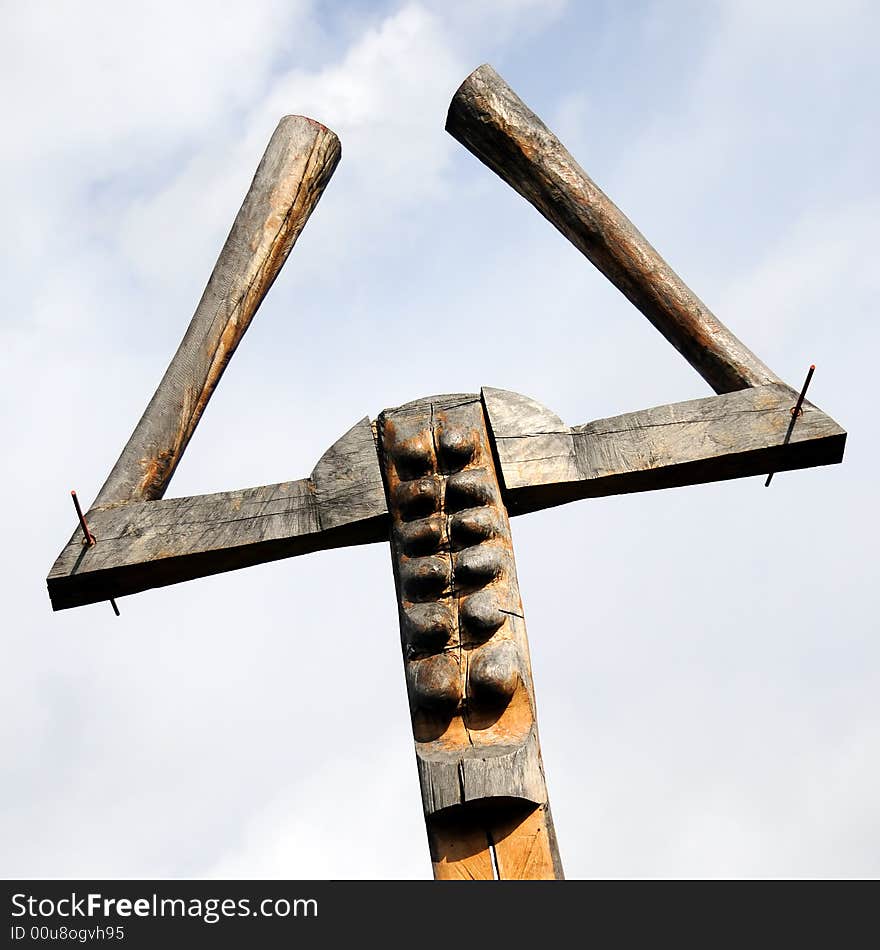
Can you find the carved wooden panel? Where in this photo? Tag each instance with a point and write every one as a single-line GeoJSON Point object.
{"type": "Point", "coordinates": [461, 619]}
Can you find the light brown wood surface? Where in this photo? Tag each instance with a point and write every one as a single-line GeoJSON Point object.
{"type": "Point", "coordinates": [505, 841]}
{"type": "Point", "coordinates": [463, 636]}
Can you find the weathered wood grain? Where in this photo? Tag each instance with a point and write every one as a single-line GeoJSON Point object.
{"type": "Point", "coordinates": [299, 161]}
{"type": "Point", "coordinates": [490, 120]}
{"type": "Point", "coordinates": [525, 846]}
{"type": "Point", "coordinates": [481, 771]}
{"type": "Point", "coordinates": [460, 848]}
{"type": "Point", "coordinates": [532, 444]}
{"type": "Point", "coordinates": [505, 840]}
{"type": "Point", "coordinates": [141, 545]}
{"type": "Point", "coordinates": [462, 630]}
{"type": "Point", "coordinates": [544, 463]}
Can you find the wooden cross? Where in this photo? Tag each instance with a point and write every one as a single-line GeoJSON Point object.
{"type": "Point", "coordinates": [440, 477]}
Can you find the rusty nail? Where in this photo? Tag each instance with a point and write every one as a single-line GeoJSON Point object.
{"type": "Point", "coordinates": [795, 411]}
{"type": "Point", "coordinates": [89, 537]}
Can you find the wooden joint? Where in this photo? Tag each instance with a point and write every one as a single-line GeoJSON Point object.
{"type": "Point", "coordinates": [543, 462]}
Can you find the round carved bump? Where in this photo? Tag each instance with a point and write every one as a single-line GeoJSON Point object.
{"type": "Point", "coordinates": [479, 565]}
{"type": "Point", "coordinates": [429, 627]}
{"type": "Point", "coordinates": [425, 577]}
{"type": "Point", "coordinates": [481, 613]}
{"type": "Point", "coordinates": [418, 498]}
{"type": "Point", "coordinates": [469, 489]}
{"type": "Point", "coordinates": [423, 536]}
{"type": "Point", "coordinates": [457, 447]}
{"type": "Point", "coordinates": [474, 525]}
{"type": "Point", "coordinates": [493, 674]}
{"type": "Point", "coordinates": [436, 683]}
{"type": "Point", "coordinates": [414, 457]}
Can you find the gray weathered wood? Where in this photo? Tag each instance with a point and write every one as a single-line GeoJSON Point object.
{"type": "Point", "coordinates": [299, 160]}
{"type": "Point", "coordinates": [489, 119]}
{"type": "Point", "coordinates": [141, 545]}
{"type": "Point", "coordinates": [544, 463]}
{"type": "Point", "coordinates": [475, 773]}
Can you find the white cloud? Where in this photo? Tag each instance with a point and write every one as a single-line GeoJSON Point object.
{"type": "Point", "coordinates": [372, 814]}
{"type": "Point", "coordinates": [797, 286]}
{"type": "Point", "coordinates": [106, 75]}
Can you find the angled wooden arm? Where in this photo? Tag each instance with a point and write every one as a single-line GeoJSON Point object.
{"type": "Point", "coordinates": [298, 162]}
{"type": "Point", "coordinates": [149, 544]}
{"type": "Point", "coordinates": [490, 120]}
{"type": "Point", "coordinates": [542, 463]}
{"type": "Point", "coordinates": [545, 463]}
{"type": "Point", "coordinates": [145, 543]}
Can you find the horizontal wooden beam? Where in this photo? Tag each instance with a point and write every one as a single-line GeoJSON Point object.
{"type": "Point", "coordinates": [490, 120]}
{"type": "Point", "coordinates": [141, 545]}
{"type": "Point", "coordinates": [544, 463]}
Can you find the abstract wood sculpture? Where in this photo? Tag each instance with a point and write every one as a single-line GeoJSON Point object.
{"type": "Point", "coordinates": [464, 644]}
{"type": "Point", "coordinates": [440, 478]}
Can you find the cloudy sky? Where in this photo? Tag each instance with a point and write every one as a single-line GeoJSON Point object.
{"type": "Point", "coordinates": [705, 659]}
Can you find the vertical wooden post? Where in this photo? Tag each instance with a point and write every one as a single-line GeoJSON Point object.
{"type": "Point", "coordinates": [464, 643]}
